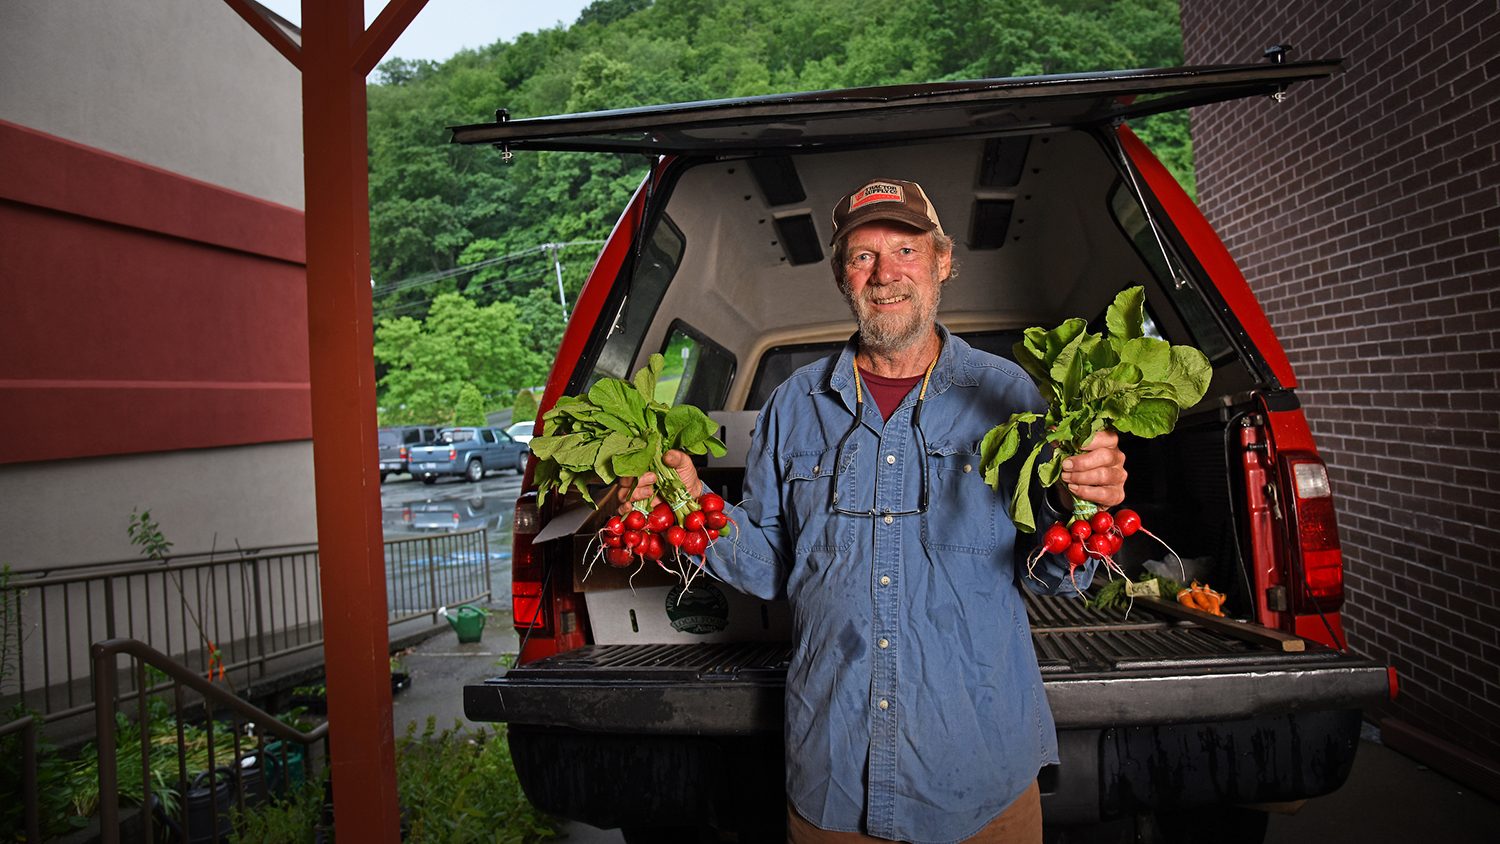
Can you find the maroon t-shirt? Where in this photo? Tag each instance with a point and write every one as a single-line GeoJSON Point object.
{"type": "Point", "coordinates": [887, 392]}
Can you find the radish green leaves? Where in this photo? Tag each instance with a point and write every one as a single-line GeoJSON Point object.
{"type": "Point", "coordinates": [1120, 379]}
{"type": "Point", "coordinates": [617, 430]}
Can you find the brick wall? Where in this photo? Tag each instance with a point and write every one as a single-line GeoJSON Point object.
{"type": "Point", "coordinates": [1365, 212]}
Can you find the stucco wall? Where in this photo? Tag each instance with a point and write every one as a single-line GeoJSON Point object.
{"type": "Point", "coordinates": [151, 173]}
{"type": "Point", "coordinates": [184, 85]}
{"type": "Point", "coordinates": [77, 511]}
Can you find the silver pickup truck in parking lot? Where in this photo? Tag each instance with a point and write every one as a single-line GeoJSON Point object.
{"type": "Point", "coordinates": [468, 452]}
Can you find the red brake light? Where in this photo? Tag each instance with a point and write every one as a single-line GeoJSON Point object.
{"type": "Point", "coordinates": [1317, 559]}
{"type": "Point", "coordinates": [452, 454]}
{"type": "Point", "coordinates": [526, 585]}
{"type": "Point", "coordinates": [402, 452]}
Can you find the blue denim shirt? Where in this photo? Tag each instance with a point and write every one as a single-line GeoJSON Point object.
{"type": "Point", "coordinates": [914, 705]}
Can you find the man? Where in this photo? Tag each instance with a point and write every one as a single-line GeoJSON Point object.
{"type": "Point", "coordinates": [914, 705]}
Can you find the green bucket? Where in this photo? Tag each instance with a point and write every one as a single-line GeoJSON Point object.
{"type": "Point", "coordinates": [285, 765]}
{"type": "Point", "coordinates": [468, 622]}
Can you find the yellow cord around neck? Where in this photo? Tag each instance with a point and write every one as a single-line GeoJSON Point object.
{"type": "Point", "coordinates": [859, 395]}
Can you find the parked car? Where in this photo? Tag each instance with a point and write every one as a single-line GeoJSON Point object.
{"type": "Point", "coordinates": [521, 431]}
{"type": "Point", "coordinates": [394, 444]}
{"type": "Point", "coordinates": [469, 453]}
{"type": "Point", "coordinates": [623, 715]}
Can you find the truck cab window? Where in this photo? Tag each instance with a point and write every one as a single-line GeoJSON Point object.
{"type": "Point", "coordinates": [1207, 334]}
{"type": "Point", "coordinates": [658, 264]}
{"type": "Point", "coordinates": [698, 371]}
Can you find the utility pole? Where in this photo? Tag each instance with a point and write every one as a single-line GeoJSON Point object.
{"type": "Point", "coordinates": [557, 264]}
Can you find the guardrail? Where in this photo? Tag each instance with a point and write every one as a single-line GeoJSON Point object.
{"type": "Point", "coordinates": [193, 808]}
{"type": "Point", "coordinates": [242, 617]}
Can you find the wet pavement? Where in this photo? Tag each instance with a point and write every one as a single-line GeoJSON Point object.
{"type": "Point", "coordinates": [1389, 796]}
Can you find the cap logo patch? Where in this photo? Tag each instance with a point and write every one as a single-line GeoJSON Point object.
{"type": "Point", "coordinates": [877, 192]}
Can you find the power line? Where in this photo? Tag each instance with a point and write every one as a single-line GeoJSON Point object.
{"type": "Point", "coordinates": [442, 275]}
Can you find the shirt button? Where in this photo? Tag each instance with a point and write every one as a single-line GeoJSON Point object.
{"type": "Point", "coordinates": [889, 519]}
{"type": "Point", "coordinates": [885, 580]}
{"type": "Point", "coordinates": [968, 467]}
{"type": "Point", "coordinates": [885, 643]}
{"type": "Point", "coordinates": [884, 704]}
{"type": "Point", "coordinates": [817, 469]}
{"type": "Point", "coordinates": [890, 458]}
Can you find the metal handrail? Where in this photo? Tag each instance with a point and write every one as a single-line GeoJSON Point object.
{"type": "Point", "coordinates": [218, 555]}
{"type": "Point", "coordinates": [104, 655]}
{"type": "Point", "coordinates": [30, 795]}
{"type": "Point", "coordinates": [250, 613]}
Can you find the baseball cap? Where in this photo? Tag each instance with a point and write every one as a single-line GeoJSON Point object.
{"type": "Point", "coordinates": [885, 199]}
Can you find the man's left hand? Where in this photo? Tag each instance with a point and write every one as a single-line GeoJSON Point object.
{"type": "Point", "coordinates": [1098, 474]}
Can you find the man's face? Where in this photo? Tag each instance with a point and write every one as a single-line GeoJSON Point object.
{"type": "Point", "coordinates": [892, 280]}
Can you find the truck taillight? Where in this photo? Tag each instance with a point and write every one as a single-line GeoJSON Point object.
{"type": "Point", "coordinates": [1317, 559]}
{"type": "Point", "coordinates": [526, 573]}
{"type": "Point", "coordinates": [452, 454]}
{"type": "Point", "coordinates": [402, 452]}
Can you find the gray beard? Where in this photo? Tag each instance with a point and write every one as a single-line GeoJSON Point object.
{"type": "Point", "coordinates": [889, 335]}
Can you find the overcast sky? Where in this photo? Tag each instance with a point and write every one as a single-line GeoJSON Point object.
{"type": "Point", "coordinates": [444, 27]}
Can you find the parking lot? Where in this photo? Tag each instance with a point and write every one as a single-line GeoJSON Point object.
{"type": "Point", "coordinates": [411, 508]}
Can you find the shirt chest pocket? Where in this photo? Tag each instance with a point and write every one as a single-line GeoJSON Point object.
{"type": "Point", "coordinates": [809, 492]}
{"type": "Point", "coordinates": [963, 510]}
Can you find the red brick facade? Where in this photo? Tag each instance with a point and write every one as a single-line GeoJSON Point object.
{"type": "Point", "coordinates": [1365, 212]}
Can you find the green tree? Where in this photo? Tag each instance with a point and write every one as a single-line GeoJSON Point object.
{"type": "Point", "coordinates": [470, 410]}
{"type": "Point", "coordinates": [428, 362]}
{"type": "Point", "coordinates": [436, 206]}
{"type": "Point", "coordinates": [525, 408]}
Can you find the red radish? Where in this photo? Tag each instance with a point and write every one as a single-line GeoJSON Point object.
{"type": "Point", "coordinates": [652, 548]}
{"type": "Point", "coordinates": [1102, 522]}
{"type": "Point", "coordinates": [1077, 553]}
{"type": "Point", "coordinates": [1115, 541]}
{"type": "Point", "coordinates": [619, 557]}
{"type": "Point", "coordinates": [674, 535]}
{"type": "Point", "coordinates": [661, 516]}
{"type": "Point", "coordinates": [615, 525]}
{"type": "Point", "coordinates": [612, 541]}
{"type": "Point", "coordinates": [694, 521]}
{"type": "Point", "coordinates": [1057, 539]}
{"type": "Point", "coordinates": [1097, 544]}
{"type": "Point", "coordinates": [696, 541]}
{"type": "Point", "coordinates": [1128, 521]}
{"type": "Point", "coordinates": [1080, 530]}
{"type": "Point", "coordinates": [715, 519]}
{"type": "Point", "coordinates": [635, 520]}
{"type": "Point", "coordinates": [633, 538]}
{"type": "Point", "coordinates": [711, 503]}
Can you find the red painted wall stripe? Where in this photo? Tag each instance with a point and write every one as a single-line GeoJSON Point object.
{"type": "Point", "coordinates": [60, 175]}
{"type": "Point", "coordinates": [144, 311]}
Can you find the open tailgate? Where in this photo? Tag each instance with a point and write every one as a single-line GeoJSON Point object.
{"type": "Point", "coordinates": [1100, 668]}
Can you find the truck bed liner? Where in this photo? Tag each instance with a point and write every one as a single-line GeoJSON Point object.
{"type": "Point", "coordinates": [1101, 668]}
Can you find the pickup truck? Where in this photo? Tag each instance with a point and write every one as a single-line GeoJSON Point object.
{"type": "Point", "coordinates": [467, 452]}
{"type": "Point", "coordinates": [395, 446]}
{"type": "Point", "coordinates": [1171, 726]}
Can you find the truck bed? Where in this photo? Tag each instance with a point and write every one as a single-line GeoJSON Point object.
{"type": "Point", "coordinates": [1100, 668]}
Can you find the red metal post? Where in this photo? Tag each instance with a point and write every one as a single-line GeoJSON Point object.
{"type": "Point", "coordinates": [356, 639]}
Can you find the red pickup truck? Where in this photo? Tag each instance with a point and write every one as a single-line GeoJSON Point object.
{"type": "Point", "coordinates": [621, 714]}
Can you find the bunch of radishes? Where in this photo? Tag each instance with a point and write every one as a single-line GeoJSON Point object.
{"type": "Point", "coordinates": [1099, 536]}
{"type": "Point", "coordinates": [660, 536]}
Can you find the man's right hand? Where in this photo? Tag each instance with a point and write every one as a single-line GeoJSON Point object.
{"type": "Point", "coordinates": [629, 490]}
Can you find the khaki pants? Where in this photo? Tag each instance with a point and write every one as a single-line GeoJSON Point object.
{"type": "Point", "coordinates": [1020, 823]}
